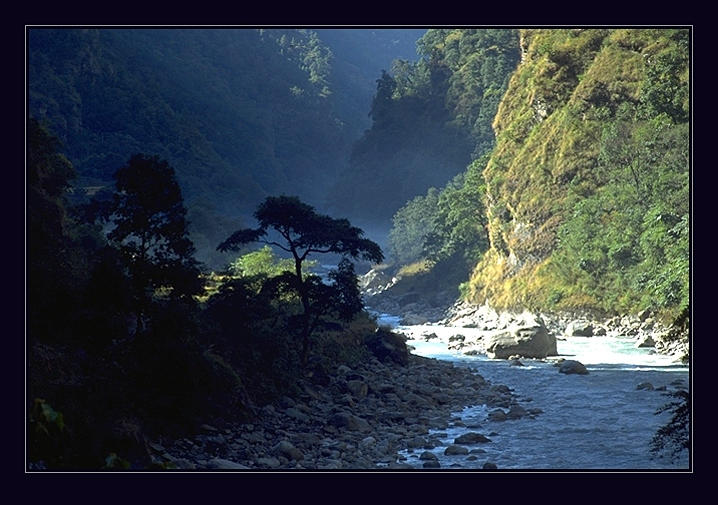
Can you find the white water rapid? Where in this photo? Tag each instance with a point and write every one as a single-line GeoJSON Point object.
{"type": "Point", "coordinates": [599, 421]}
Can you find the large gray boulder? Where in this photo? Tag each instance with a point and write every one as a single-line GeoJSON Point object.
{"type": "Point", "coordinates": [571, 366]}
{"type": "Point", "coordinates": [528, 338]}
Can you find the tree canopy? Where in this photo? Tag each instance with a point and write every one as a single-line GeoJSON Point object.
{"type": "Point", "coordinates": [302, 231]}
{"type": "Point", "coordinates": [150, 229]}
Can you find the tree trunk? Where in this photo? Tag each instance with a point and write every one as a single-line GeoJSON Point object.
{"type": "Point", "coordinates": [306, 329]}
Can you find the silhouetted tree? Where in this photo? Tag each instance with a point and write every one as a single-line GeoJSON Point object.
{"type": "Point", "coordinates": [674, 437]}
{"type": "Point", "coordinates": [303, 232]}
{"type": "Point", "coordinates": [150, 231]}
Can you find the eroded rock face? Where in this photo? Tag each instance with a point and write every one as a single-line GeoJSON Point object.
{"type": "Point", "coordinates": [528, 338]}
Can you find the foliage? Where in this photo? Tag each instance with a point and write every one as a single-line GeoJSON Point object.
{"type": "Point", "coordinates": [206, 100]}
{"type": "Point", "coordinates": [302, 232]}
{"type": "Point", "coordinates": [587, 190]}
{"type": "Point", "coordinates": [47, 433]}
{"type": "Point", "coordinates": [674, 437]}
{"type": "Point", "coordinates": [149, 229]}
{"type": "Point", "coordinates": [411, 226]}
{"type": "Point", "coordinates": [430, 118]}
{"type": "Point", "coordinates": [262, 262]}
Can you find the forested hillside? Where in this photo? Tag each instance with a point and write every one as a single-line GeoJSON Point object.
{"type": "Point", "coordinates": [430, 119]}
{"type": "Point", "coordinates": [584, 201]}
{"type": "Point", "coordinates": [240, 113]}
{"type": "Point", "coordinates": [587, 190]}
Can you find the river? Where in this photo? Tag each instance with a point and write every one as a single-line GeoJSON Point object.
{"type": "Point", "coordinates": [599, 421]}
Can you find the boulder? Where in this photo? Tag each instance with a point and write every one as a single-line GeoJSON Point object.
{"type": "Point", "coordinates": [528, 338]}
{"type": "Point", "coordinates": [647, 386]}
{"type": "Point", "coordinates": [646, 341]}
{"type": "Point", "coordinates": [426, 455]}
{"type": "Point", "coordinates": [570, 366]}
{"type": "Point", "coordinates": [286, 449]}
{"type": "Point", "coordinates": [388, 346]}
{"type": "Point", "coordinates": [269, 462]}
{"type": "Point", "coordinates": [579, 329]}
{"type": "Point", "coordinates": [489, 466]}
{"type": "Point", "coordinates": [349, 422]}
{"type": "Point", "coordinates": [516, 412]}
{"type": "Point", "coordinates": [497, 415]}
{"type": "Point", "coordinates": [297, 414]}
{"type": "Point", "coordinates": [471, 438]}
{"type": "Point", "coordinates": [454, 450]}
{"type": "Point", "coordinates": [358, 388]}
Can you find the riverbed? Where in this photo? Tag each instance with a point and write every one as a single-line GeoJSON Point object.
{"type": "Point", "coordinates": [599, 421]}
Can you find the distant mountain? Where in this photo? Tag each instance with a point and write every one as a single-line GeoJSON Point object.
{"type": "Point", "coordinates": [430, 119]}
{"type": "Point", "coordinates": [359, 57]}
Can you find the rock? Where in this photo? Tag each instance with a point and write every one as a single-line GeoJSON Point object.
{"type": "Point", "coordinates": [600, 331]}
{"type": "Point", "coordinates": [286, 449]}
{"type": "Point", "coordinates": [515, 362]}
{"type": "Point", "coordinates": [268, 461]}
{"type": "Point", "coordinates": [349, 421]}
{"type": "Point", "coordinates": [455, 450]}
{"type": "Point", "coordinates": [471, 438]}
{"type": "Point", "coordinates": [643, 315]}
{"type": "Point", "coordinates": [367, 442]}
{"type": "Point", "coordinates": [579, 329]}
{"type": "Point", "coordinates": [358, 388]}
{"type": "Point", "coordinates": [570, 366]}
{"type": "Point", "coordinates": [497, 415]}
{"type": "Point", "coordinates": [427, 455]}
{"type": "Point", "coordinates": [297, 414]}
{"type": "Point", "coordinates": [647, 386]}
{"type": "Point", "coordinates": [388, 346]}
{"type": "Point", "coordinates": [455, 338]}
{"type": "Point", "coordinates": [430, 336]}
{"type": "Point", "coordinates": [516, 412]}
{"type": "Point", "coordinates": [225, 464]}
{"type": "Point", "coordinates": [645, 341]}
{"type": "Point", "coordinates": [528, 338]}
{"type": "Point", "coordinates": [432, 464]}
{"type": "Point", "coordinates": [489, 466]}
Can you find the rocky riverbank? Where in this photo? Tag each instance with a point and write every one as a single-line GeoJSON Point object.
{"type": "Point", "coordinates": [361, 420]}
{"type": "Point", "coordinates": [442, 308]}
{"type": "Point", "coordinates": [642, 328]}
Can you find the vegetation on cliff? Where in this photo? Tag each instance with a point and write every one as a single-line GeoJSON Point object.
{"type": "Point", "coordinates": [587, 189]}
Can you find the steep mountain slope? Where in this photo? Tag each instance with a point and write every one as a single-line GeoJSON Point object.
{"type": "Point", "coordinates": [587, 189]}
{"type": "Point", "coordinates": [239, 113]}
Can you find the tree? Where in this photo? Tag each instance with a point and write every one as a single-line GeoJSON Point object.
{"type": "Point", "coordinates": [150, 231]}
{"type": "Point", "coordinates": [674, 437]}
{"type": "Point", "coordinates": [303, 232]}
